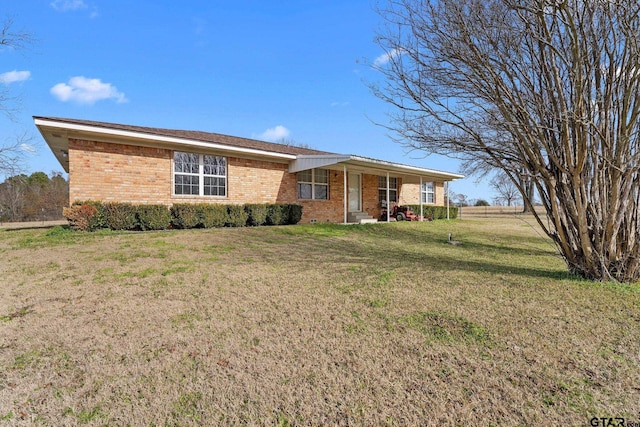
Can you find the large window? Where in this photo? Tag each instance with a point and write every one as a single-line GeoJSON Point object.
{"type": "Point", "coordinates": [199, 174]}
{"type": "Point", "coordinates": [382, 189]}
{"type": "Point", "coordinates": [313, 184]}
{"type": "Point", "coordinates": [428, 192]}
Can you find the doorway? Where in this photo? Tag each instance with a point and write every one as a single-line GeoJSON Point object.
{"type": "Point", "coordinates": [355, 192]}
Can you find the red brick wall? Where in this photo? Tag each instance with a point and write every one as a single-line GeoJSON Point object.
{"type": "Point", "coordinates": [126, 173]}
{"type": "Point", "coordinates": [370, 203]}
{"type": "Point", "coordinates": [410, 194]}
{"type": "Point", "coordinates": [114, 172]}
{"type": "Point", "coordinates": [324, 210]}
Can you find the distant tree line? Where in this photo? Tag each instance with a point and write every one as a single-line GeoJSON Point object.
{"type": "Point", "coordinates": [35, 197]}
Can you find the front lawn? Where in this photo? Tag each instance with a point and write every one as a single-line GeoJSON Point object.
{"type": "Point", "coordinates": [311, 325]}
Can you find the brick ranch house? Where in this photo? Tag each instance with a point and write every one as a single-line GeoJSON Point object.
{"type": "Point", "coordinates": [123, 163]}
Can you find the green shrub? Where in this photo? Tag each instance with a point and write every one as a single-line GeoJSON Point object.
{"type": "Point", "coordinates": [237, 216]}
{"type": "Point", "coordinates": [97, 221]}
{"type": "Point", "coordinates": [79, 216]}
{"type": "Point", "coordinates": [120, 216]}
{"type": "Point", "coordinates": [294, 213]}
{"type": "Point", "coordinates": [184, 215]}
{"type": "Point", "coordinates": [257, 214]}
{"type": "Point", "coordinates": [91, 215]}
{"type": "Point", "coordinates": [274, 215]}
{"type": "Point", "coordinates": [153, 217]}
{"type": "Point", "coordinates": [213, 215]}
{"type": "Point", "coordinates": [435, 212]}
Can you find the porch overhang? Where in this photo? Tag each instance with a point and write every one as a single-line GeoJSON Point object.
{"type": "Point", "coordinates": [350, 163]}
{"type": "Point", "coordinates": [367, 165]}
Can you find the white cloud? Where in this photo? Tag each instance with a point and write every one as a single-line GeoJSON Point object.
{"type": "Point", "coordinates": [65, 5]}
{"type": "Point", "coordinates": [14, 76]}
{"type": "Point", "coordinates": [386, 57]}
{"type": "Point", "coordinates": [275, 133]}
{"type": "Point", "coordinates": [28, 148]}
{"type": "Point", "coordinates": [87, 91]}
{"type": "Point", "coordinates": [339, 104]}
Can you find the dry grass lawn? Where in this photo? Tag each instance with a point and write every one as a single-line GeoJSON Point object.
{"type": "Point", "coordinates": [310, 325]}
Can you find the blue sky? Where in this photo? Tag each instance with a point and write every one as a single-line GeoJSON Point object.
{"type": "Point", "coordinates": [258, 69]}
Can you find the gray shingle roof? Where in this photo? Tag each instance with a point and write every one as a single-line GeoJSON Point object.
{"type": "Point", "coordinates": [194, 135]}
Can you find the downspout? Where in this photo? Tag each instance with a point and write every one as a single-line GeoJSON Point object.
{"type": "Point", "coordinates": [388, 203]}
{"type": "Point", "coordinates": [344, 171]}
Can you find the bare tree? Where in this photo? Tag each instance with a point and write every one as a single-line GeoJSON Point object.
{"type": "Point", "coordinates": [13, 39]}
{"type": "Point", "coordinates": [12, 151]}
{"type": "Point", "coordinates": [12, 154]}
{"type": "Point", "coordinates": [12, 197]}
{"type": "Point", "coordinates": [542, 88]}
{"type": "Point", "coordinates": [461, 199]}
{"type": "Point", "coordinates": [292, 143]}
{"type": "Point", "coordinates": [481, 168]}
{"type": "Point", "coordinates": [33, 197]}
{"type": "Point", "coordinates": [507, 191]}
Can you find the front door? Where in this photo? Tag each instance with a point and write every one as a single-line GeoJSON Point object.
{"type": "Point", "coordinates": [355, 204]}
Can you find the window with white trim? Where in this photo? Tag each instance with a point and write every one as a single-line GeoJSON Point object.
{"type": "Point", "coordinates": [382, 189]}
{"type": "Point", "coordinates": [199, 174]}
{"type": "Point", "coordinates": [313, 184]}
{"type": "Point", "coordinates": [428, 193]}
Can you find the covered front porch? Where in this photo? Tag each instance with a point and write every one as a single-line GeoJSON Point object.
{"type": "Point", "coordinates": [363, 186]}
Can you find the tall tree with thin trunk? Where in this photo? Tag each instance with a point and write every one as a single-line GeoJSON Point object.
{"type": "Point", "coordinates": [543, 89]}
{"type": "Point", "coordinates": [506, 189]}
{"type": "Point", "coordinates": [11, 39]}
{"type": "Point", "coordinates": [11, 152]}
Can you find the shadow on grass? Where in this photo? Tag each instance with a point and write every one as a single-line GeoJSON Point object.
{"type": "Point", "coordinates": [458, 259]}
{"type": "Point", "coordinates": [399, 246]}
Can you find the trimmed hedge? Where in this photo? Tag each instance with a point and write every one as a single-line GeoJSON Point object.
{"type": "Point", "coordinates": [120, 216]}
{"type": "Point", "coordinates": [97, 221]}
{"type": "Point", "coordinates": [212, 216]}
{"type": "Point", "coordinates": [237, 216]}
{"type": "Point", "coordinates": [153, 217]}
{"type": "Point", "coordinates": [435, 212]}
{"type": "Point", "coordinates": [294, 213]}
{"type": "Point", "coordinates": [257, 214]}
{"type": "Point", "coordinates": [185, 215]}
{"type": "Point", "coordinates": [274, 215]}
{"type": "Point", "coordinates": [91, 215]}
{"type": "Point", "coordinates": [80, 216]}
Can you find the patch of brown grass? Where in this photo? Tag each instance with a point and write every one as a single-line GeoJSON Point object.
{"type": "Point", "coordinates": [310, 325]}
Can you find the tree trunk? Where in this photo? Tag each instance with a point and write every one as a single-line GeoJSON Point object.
{"type": "Point", "coordinates": [546, 91]}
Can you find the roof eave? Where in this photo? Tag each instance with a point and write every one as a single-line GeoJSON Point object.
{"type": "Point", "coordinates": [406, 169]}
{"type": "Point", "coordinates": [304, 162]}
{"type": "Point", "coordinates": [57, 133]}
{"type": "Point", "coordinates": [47, 128]}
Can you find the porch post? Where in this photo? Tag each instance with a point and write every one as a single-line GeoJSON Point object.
{"type": "Point", "coordinates": [447, 182]}
{"type": "Point", "coordinates": [344, 169]}
{"type": "Point", "coordinates": [388, 203]}
{"type": "Point", "coordinates": [420, 194]}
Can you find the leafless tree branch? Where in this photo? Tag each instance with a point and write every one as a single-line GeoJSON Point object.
{"type": "Point", "coordinates": [546, 91]}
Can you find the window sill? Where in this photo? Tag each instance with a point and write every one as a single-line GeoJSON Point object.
{"type": "Point", "coordinates": [197, 196]}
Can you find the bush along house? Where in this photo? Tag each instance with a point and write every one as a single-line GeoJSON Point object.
{"type": "Point", "coordinates": [111, 162]}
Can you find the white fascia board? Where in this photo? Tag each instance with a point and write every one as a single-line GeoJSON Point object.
{"type": "Point", "coordinates": [159, 138]}
{"type": "Point", "coordinates": [398, 167]}
{"type": "Point", "coordinates": [306, 162]}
